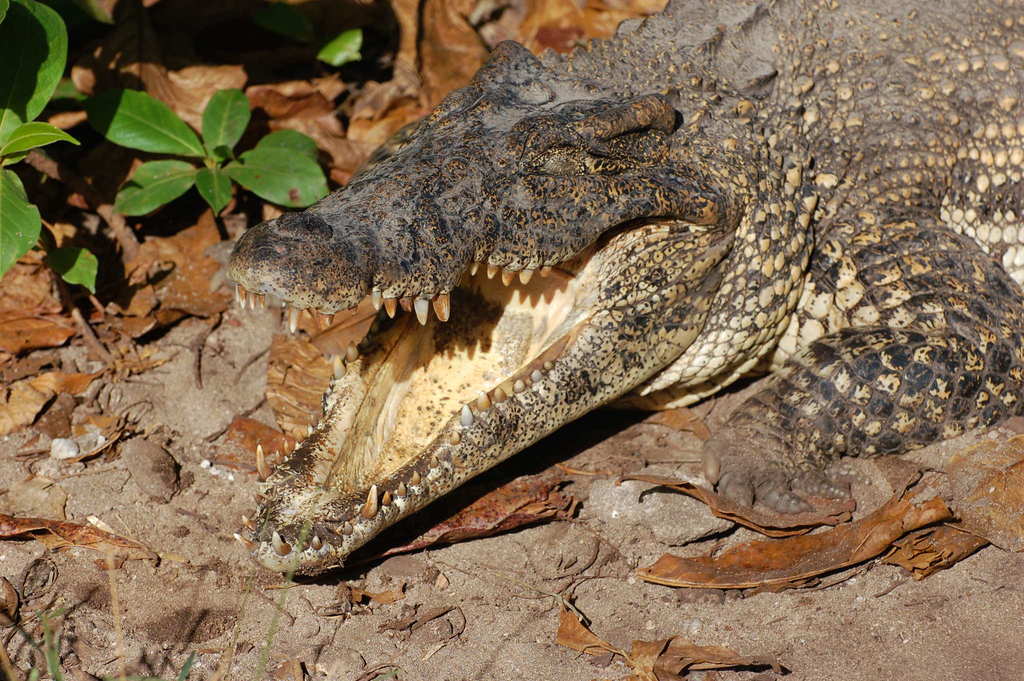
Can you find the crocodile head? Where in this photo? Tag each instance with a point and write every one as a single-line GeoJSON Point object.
{"type": "Point", "coordinates": [533, 252]}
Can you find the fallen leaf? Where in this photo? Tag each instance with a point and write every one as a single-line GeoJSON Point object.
{"type": "Point", "coordinates": [759, 519]}
{"type": "Point", "coordinates": [987, 484]}
{"type": "Point", "coordinates": [23, 400]}
{"type": "Point", "coordinates": [60, 534]}
{"type": "Point", "coordinates": [794, 561]}
{"type": "Point", "coordinates": [359, 596]}
{"type": "Point", "coordinates": [28, 289]}
{"type": "Point", "coordinates": [931, 549]}
{"type": "Point", "coordinates": [238, 450]}
{"type": "Point", "coordinates": [19, 333]}
{"type": "Point", "coordinates": [663, 660]}
{"type": "Point", "coordinates": [524, 501]}
{"type": "Point", "coordinates": [297, 376]}
{"type": "Point", "coordinates": [681, 419]}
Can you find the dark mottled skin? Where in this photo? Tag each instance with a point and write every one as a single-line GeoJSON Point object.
{"type": "Point", "coordinates": [861, 162]}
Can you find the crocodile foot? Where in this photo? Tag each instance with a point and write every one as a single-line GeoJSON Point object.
{"type": "Point", "coordinates": [750, 478]}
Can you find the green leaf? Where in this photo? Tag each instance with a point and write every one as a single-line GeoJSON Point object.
{"type": "Point", "coordinates": [343, 49]}
{"type": "Point", "coordinates": [33, 50]}
{"type": "Point", "coordinates": [285, 20]}
{"type": "Point", "coordinates": [19, 221]}
{"type": "Point", "coordinates": [280, 176]}
{"type": "Point", "coordinates": [154, 184]}
{"type": "Point", "coordinates": [74, 265]}
{"type": "Point", "coordinates": [215, 186]}
{"type": "Point", "coordinates": [4, 4]}
{"type": "Point", "coordinates": [186, 668]}
{"type": "Point", "coordinates": [31, 135]}
{"type": "Point", "coordinates": [291, 141]}
{"type": "Point", "coordinates": [96, 9]}
{"type": "Point", "coordinates": [136, 120]}
{"type": "Point", "coordinates": [224, 121]}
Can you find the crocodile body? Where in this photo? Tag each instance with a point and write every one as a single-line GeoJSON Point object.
{"type": "Point", "coordinates": [828, 192]}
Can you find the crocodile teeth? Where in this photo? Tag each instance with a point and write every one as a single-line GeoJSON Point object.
{"type": "Point", "coordinates": [352, 353]}
{"type": "Point", "coordinates": [346, 528]}
{"type": "Point", "coordinates": [391, 306]}
{"type": "Point", "coordinates": [326, 321]}
{"type": "Point", "coordinates": [525, 276]}
{"type": "Point", "coordinates": [238, 294]}
{"type": "Point", "coordinates": [338, 366]}
{"type": "Point", "coordinates": [385, 499]}
{"type": "Point", "coordinates": [316, 543]}
{"type": "Point", "coordinates": [371, 506]}
{"type": "Point", "coordinates": [243, 296]}
{"type": "Point", "coordinates": [415, 478]}
{"type": "Point", "coordinates": [281, 547]}
{"type": "Point", "coordinates": [249, 545]}
{"type": "Point", "coordinates": [455, 438]}
{"type": "Point", "coordinates": [401, 490]}
{"type": "Point", "coordinates": [545, 271]}
{"type": "Point", "coordinates": [536, 376]}
{"type": "Point", "coordinates": [499, 395]}
{"type": "Point", "coordinates": [376, 298]}
{"type": "Point", "coordinates": [483, 402]}
{"type": "Point", "coordinates": [519, 386]}
{"type": "Point", "coordinates": [473, 267]}
{"type": "Point", "coordinates": [491, 270]}
{"type": "Point", "coordinates": [293, 319]}
{"type": "Point", "coordinates": [422, 306]}
{"type": "Point", "coordinates": [466, 417]}
{"type": "Point", "coordinates": [507, 276]}
{"type": "Point", "coordinates": [443, 307]}
{"type": "Point", "coordinates": [262, 471]}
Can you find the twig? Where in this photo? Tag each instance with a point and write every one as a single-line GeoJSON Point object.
{"type": "Point", "coordinates": [197, 346]}
{"type": "Point", "coordinates": [91, 339]}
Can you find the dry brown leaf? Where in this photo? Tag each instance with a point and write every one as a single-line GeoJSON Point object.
{"type": "Point", "coordinates": [185, 290]}
{"type": "Point", "coordinates": [28, 289]}
{"type": "Point", "coordinates": [987, 482]}
{"type": "Point", "coordinates": [523, 501]}
{"type": "Point", "coordinates": [931, 549]}
{"type": "Point", "coordinates": [19, 333]}
{"type": "Point", "coordinates": [238, 450]}
{"type": "Point", "coordinates": [562, 24]}
{"type": "Point", "coordinates": [681, 419]}
{"type": "Point", "coordinates": [22, 401]}
{"type": "Point", "coordinates": [297, 376]}
{"type": "Point", "coordinates": [60, 534]}
{"type": "Point", "coordinates": [361, 597]}
{"type": "Point", "coordinates": [450, 51]}
{"type": "Point", "coordinates": [664, 660]}
{"type": "Point", "coordinates": [793, 561]}
{"type": "Point", "coordinates": [759, 519]}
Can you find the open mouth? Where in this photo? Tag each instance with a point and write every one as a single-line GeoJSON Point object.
{"type": "Point", "coordinates": [420, 405]}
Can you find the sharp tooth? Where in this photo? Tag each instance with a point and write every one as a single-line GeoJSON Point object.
{"type": "Point", "coordinates": [536, 376]}
{"type": "Point", "coordinates": [499, 395]}
{"type": "Point", "coordinates": [415, 478]}
{"type": "Point", "coordinates": [243, 297]}
{"type": "Point", "coordinates": [401, 490]}
{"type": "Point", "coordinates": [507, 276]}
{"type": "Point", "coordinates": [483, 402]}
{"type": "Point", "coordinates": [346, 528]}
{"type": "Point", "coordinates": [491, 270]}
{"type": "Point", "coordinates": [406, 303]}
{"type": "Point", "coordinates": [238, 294]}
{"type": "Point", "coordinates": [369, 509]}
{"type": "Point", "coordinates": [316, 543]}
{"type": "Point", "coordinates": [443, 307]}
{"type": "Point", "coordinates": [390, 306]}
{"type": "Point", "coordinates": [525, 276]}
{"type": "Point", "coordinates": [249, 545]}
{"type": "Point", "coordinates": [518, 386]}
{"type": "Point", "coordinates": [326, 320]}
{"type": "Point", "coordinates": [455, 438]}
{"type": "Point", "coordinates": [385, 499]}
{"type": "Point", "coordinates": [422, 306]}
{"type": "Point", "coordinates": [352, 353]}
{"type": "Point", "coordinates": [376, 298]}
{"type": "Point", "coordinates": [309, 430]}
{"type": "Point", "coordinates": [473, 267]}
{"type": "Point", "coordinates": [281, 547]}
{"type": "Point", "coordinates": [262, 470]}
{"type": "Point", "coordinates": [338, 366]}
{"type": "Point", "coordinates": [549, 365]}
{"type": "Point", "coordinates": [545, 271]}
{"type": "Point", "coordinates": [293, 319]}
{"type": "Point", "coordinates": [466, 417]}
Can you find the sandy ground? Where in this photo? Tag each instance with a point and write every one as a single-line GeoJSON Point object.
{"type": "Point", "coordinates": [205, 596]}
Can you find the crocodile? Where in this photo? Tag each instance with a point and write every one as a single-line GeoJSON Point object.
{"type": "Point", "coordinates": [823, 193]}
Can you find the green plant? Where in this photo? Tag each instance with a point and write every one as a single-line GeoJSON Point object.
{"type": "Point", "coordinates": [281, 168]}
{"type": "Point", "coordinates": [286, 20]}
{"type": "Point", "coordinates": [33, 51]}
